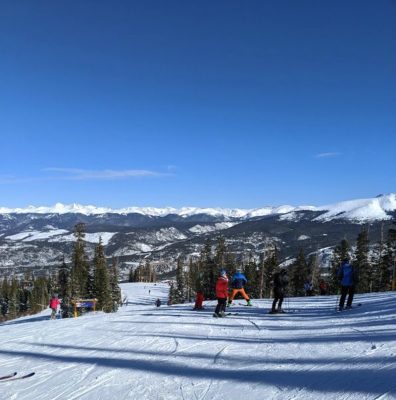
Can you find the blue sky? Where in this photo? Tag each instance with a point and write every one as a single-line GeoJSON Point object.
{"type": "Point", "coordinates": [196, 103]}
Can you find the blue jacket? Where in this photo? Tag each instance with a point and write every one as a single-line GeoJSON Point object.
{"type": "Point", "coordinates": [347, 275]}
{"type": "Point", "coordinates": [238, 280]}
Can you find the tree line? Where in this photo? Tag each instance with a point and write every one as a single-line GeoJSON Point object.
{"type": "Point", "coordinates": [80, 280]}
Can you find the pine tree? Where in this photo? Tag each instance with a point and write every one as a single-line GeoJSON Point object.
{"type": "Point", "coordinates": [361, 262]}
{"type": "Point", "coordinates": [79, 271]}
{"type": "Point", "coordinates": [269, 266]}
{"type": "Point", "coordinates": [101, 286]}
{"type": "Point", "coordinates": [13, 299]}
{"type": "Point", "coordinates": [251, 273]}
{"type": "Point", "coordinates": [179, 295]}
{"type": "Point", "coordinates": [299, 274]}
{"type": "Point", "coordinates": [115, 289]}
{"type": "Point", "coordinates": [210, 271]}
{"type": "Point", "coordinates": [314, 271]}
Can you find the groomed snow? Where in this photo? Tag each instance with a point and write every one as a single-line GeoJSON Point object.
{"type": "Point", "coordinates": [143, 352]}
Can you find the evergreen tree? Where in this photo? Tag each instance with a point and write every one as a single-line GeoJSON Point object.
{"type": "Point", "coordinates": [299, 274]}
{"type": "Point", "coordinates": [115, 289]}
{"type": "Point", "coordinates": [13, 299]}
{"type": "Point", "coordinates": [79, 271]}
{"type": "Point", "coordinates": [251, 273]}
{"type": "Point", "coordinates": [101, 286]}
{"type": "Point", "coordinates": [209, 271]}
{"type": "Point", "coordinates": [269, 266]}
{"type": "Point", "coordinates": [361, 262]}
{"type": "Point", "coordinates": [179, 294]}
{"type": "Point", "coordinates": [40, 296]}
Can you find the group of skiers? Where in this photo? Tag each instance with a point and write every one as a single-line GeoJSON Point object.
{"type": "Point", "coordinates": [346, 274]}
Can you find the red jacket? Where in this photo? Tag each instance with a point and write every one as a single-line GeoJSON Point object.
{"type": "Point", "coordinates": [54, 302]}
{"type": "Point", "coordinates": [222, 287]}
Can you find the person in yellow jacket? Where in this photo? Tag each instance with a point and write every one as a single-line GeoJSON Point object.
{"type": "Point", "coordinates": [238, 282]}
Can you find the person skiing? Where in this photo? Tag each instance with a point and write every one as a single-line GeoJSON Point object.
{"type": "Point", "coordinates": [308, 288]}
{"type": "Point", "coordinates": [238, 282]}
{"type": "Point", "coordinates": [347, 276]}
{"type": "Point", "coordinates": [323, 287]}
{"type": "Point", "coordinates": [53, 305]}
{"type": "Point", "coordinates": [158, 302]}
{"type": "Point", "coordinates": [221, 294]}
{"type": "Point", "coordinates": [198, 301]}
{"type": "Point", "coordinates": [280, 283]}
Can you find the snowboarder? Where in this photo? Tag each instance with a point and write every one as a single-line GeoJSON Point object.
{"type": "Point", "coordinates": [158, 303]}
{"type": "Point", "coordinates": [347, 275]}
{"type": "Point", "coordinates": [280, 283]}
{"type": "Point", "coordinates": [308, 288]}
{"type": "Point", "coordinates": [238, 282]}
{"type": "Point", "coordinates": [53, 305]}
{"type": "Point", "coordinates": [198, 301]}
{"type": "Point", "coordinates": [221, 293]}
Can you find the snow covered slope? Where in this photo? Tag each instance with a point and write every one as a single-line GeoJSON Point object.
{"type": "Point", "coordinates": [143, 352]}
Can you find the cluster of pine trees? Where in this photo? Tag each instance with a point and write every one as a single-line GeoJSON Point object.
{"type": "Point", "coordinates": [23, 297]}
{"type": "Point", "coordinates": [375, 265]}
{"type": "Point", "coordinates": [143, 273]}
{"type": "Point", "coordinates": [81, 280]}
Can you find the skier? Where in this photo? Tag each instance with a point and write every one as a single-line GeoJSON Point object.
{"type": "Point", "coordinates": [347, 275]}
{"type": "Point", "coordinates": [280, 283]}
{"type": "Point", "coordinates": [221, 293]}
{"type": "Point", "coordinates": [53, 305]}
{"type": "Point", "coordinates": [308, 288]}
{"type": "Point", "coordinates": [238, 282]}
{"type": "Point", "coordinates": [198, 301]}
{"type": "Point", "coordinates": [323, 287]}
{"type": "Point", "coordinates": [158, 302]}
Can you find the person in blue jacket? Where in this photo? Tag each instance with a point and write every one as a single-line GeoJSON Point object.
{"type": "Point", "coordinates": [347, 276]}
{"type": "Point", "coordinates": [238, 282]}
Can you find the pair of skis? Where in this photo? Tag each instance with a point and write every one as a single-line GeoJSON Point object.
{"type": "Point", "coordinates": [14, 377]}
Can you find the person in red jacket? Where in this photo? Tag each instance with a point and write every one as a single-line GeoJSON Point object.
{"type": "Point", "coordinates": [53, 304]}
{"type": "Point", "coordinates": [198, 301]}
{"type": "Point", "coordinates": [221, 294]}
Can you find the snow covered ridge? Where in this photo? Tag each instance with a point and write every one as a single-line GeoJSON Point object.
{"type": "Point", "coordinates": [360, 210]}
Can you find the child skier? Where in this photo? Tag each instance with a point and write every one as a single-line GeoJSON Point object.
{"type": "Point", "coordinates": [198, 301]}
{"type": "Point", "coordinates": [221, 294]}
{"type": "Point", "coordinates": [158, 302]}
{"type": "Point", "coordinates": [238, 282]}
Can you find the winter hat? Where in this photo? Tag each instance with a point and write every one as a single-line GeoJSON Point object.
{"type": "Point", "coordinates": [222, 272]}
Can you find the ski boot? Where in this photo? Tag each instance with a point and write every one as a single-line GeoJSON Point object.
{"type": "Point", "coordinates": [249, 303]}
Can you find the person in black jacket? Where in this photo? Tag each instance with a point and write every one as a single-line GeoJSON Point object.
{"type": "Point", "coordinates": [280, 283]}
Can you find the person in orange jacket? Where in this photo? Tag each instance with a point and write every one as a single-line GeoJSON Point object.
{"type": "Point", "coordinates": [221, 294]}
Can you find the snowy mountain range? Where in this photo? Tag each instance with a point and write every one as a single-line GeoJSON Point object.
{"type": "Point", "coordinates": [40, 236]}
{"type": "Point", "coordinates": [360, 210]}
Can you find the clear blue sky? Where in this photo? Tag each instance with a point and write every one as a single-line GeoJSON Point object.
{"type": "Point", "coordinates": [201, 103]}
